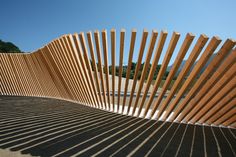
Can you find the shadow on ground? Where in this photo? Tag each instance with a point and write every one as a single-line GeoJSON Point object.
{"type": "Point", "coordinates": [49, 127]}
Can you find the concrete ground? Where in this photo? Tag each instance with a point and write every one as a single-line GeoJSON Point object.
{"type": "Point", "coordinates": [31, 126]}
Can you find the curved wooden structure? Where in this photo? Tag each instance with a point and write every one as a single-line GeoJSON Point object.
{"type": "Point", "coordinates": [76, 68]}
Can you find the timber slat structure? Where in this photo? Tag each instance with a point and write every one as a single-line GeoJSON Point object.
{"type": "Point", "coordinates": [197, 98]}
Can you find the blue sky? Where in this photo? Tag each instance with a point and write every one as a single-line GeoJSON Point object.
{"type": "Point", "coordinates": [31, 24]}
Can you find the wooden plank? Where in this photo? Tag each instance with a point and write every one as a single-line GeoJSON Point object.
{"type": "Point", "coordinates": [201, 62]}
{"type": "Point", "coordinates": [58, 52]}
{"type": "Point", "coordinates": [35, 79]}
{"type": "Point", "coordinates": [131, 51]}
{"type": "Point", "coordinates": [65, 91]}
{"type": "Point", "coordinates": [94, 64]}
{"type": "Point", "coordinates": [225, 84]}
{"type": "Point", "coordinates": [16, 74]}
{"type": "Point", "coordinates": [224, 67]}
{"type": "Point", "coordinates": [216, 98]}
{"type": "Point", "coordinates": [87, 62]}
{"type": "Point", "coordinates": [222, 111]}
{"type": "Point", "coordinates": [181, 77]}
{"type": "Point", "coordinates": [8, 77]}
{"type": "Point", "coordinates": [223, 105]}
{"type": "Point", "coordinates": [145, 68]}
{"type": "Point", "coordinates": [50, 70]}
{"type": "Point", "coordinates": [138, 66]}
{"type": "Point", "coordinates": [122, 42]}
{"type": "Point", "coordinates": [113, 60]}
{"type": "Point", "coordinates": [71, 75]}
{"type": "Point", "coordinates": [60, 72]}
{"type": "Point", "coordinates": [183, 50]}
{"type": "Point", "coordinates": [230, 120]}
{"type": "Point", "coordinates": [184, 107]}
{"type": "Point", "coordinates": [98, 49]}
{"type": "Point", "coordinates": [169, 52]}
{"type": "Point", "coordinates": [154, 64]}
{"type": "Point", "coordinates": [3, 79]}
{"type": "Point", "coordinates": [39, 69]}
{"type": "Point", "coordinates": [106, 69]}
{"type": "Point", "coordinates": [227, 119]}
{"type": "Point", "coordinates": [20, 73]}
{"type": "Point", "coordinates": [25, 72]}
{"type": "Point", "coordinates": [75, 49]}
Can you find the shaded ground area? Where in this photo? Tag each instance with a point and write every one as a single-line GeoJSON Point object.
{"type": "Point", "coordinates": [48, 127]}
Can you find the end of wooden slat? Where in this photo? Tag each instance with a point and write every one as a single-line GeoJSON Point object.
{"type": "Point", "coordinates": [122, 30]}
{"type": "Point", "coordinates": [176, 33]}
{"type": "Point", "coordinates": [204, 36]}
{"type": "Point", "coordinates": [154, 31]}
{"type": "Point", "coordinates": [113, 30]}
{"type": "Point", "coordinates": [89, 33]}
{"type": "Point", "coordinates": [145, 30]}
{"type": "Point", "coordinates": [104, 31]}
{"type": "Point", "coordinates": [81, 33]}
{"type": "Point", "coordinates": [232, 41]}
{"type": "Point", "coordinates": [96, 32]}
{"type": "Point", "coordinates": [190, 36]}
{"type": "Point", "coordinates": [134, 30]}
{"type": "Point", "coordinates": [216, 38]}
{"type": "Point", "coordinates": [164, 31]}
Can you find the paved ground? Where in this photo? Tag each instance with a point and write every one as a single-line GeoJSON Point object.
{"type": "Point", "coordinates": [48, 127]}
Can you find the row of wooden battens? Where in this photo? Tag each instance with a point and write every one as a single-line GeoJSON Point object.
{"type": "Point", "coordinates": [63, 69]}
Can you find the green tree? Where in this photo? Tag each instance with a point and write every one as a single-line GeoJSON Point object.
{"type": "Point", "coordinates": [8, 47]}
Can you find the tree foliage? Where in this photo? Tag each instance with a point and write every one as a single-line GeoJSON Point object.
{"type": "Point", "coordinates": [8, 47]}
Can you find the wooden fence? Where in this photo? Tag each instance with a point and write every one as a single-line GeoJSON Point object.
{"type": "Point", "coordinates": [76, 68]}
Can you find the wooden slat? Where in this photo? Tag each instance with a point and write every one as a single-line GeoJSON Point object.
{"type": "Point", "coordinates": [225, 84]}
{"type": "Point", "coordinates": [106, 69]}
{"type": "Point", "coordinates": [113, 60]}
{"type": "Point", "coordinates": [60, 72]}
{"type": "Point", "coordinates": [131, 51]}
{"type": "Point", "coordinates": [224, 67]}
{"type": "Point", "coordinates": [3, 80]}
{"type": "Point", "coordinates": [183, 50]}
{"type": "Point", "coordinates": [155, 61]}
{"type": "Point", "coordinates": [203, 78]}
{"type": "Point", "coordinates": [201, 62]}
{"type": "Point", "coordinates": [138, 66]}
{"type": "Point", "coordinates": [94, 64]}
{"type": "Point", "coordinates": [35, 79]}
{"type": "Point", "coordinates": [228, 118]}
{"type": "Point", "coordinates": [145, 68]}
{"type": "Point", "coordinates": [223, 105]}
{"type": "Point", "coordinates": [222, 93]}
{"type": "Point", "coordinates": [17, 76]}
{"type": "Point", "coordinates": [181, 77]}
{"type": "Point", "coordinates": [211, 93]}
{"type": "Point", "coordinates": [63, 55]}
{"type": "Point", "coordinates": [122, 41]}
{"type": "Point", "coordinates": [58, 53]}
{"type": "Point", "coordinates": [222, 111]}
{"type": "Point", "coordinates": [75, 48]}
{"type": "Point", "coordinates": [87, 62]}
{"type": "Point", "coordinates": [7, 77]}
{"type": "Point", "coordinates": [98, 49]}
{"type": "Point", "coordinates": [20, 74]}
